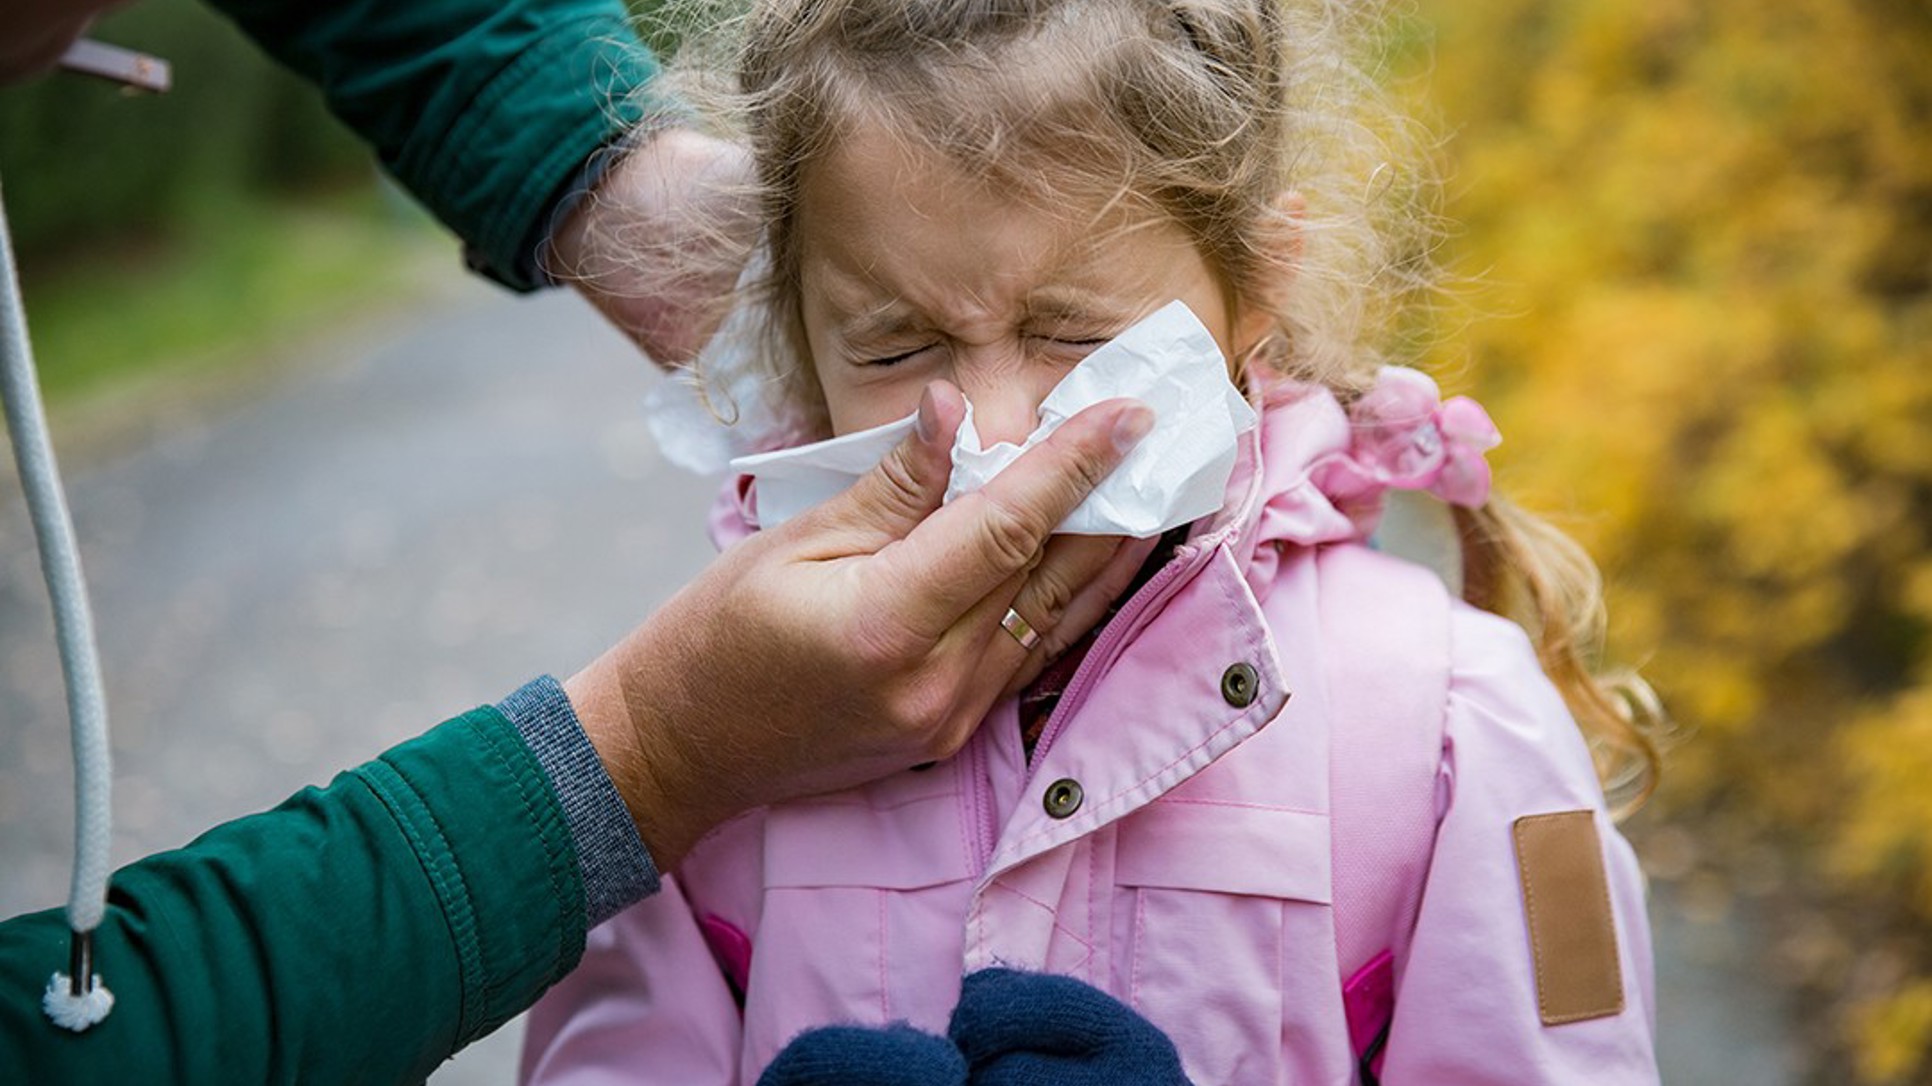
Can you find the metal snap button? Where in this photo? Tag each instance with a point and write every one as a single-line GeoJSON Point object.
{"type": "Point", "coordinates": [1240, 685]}
{"type": "Point", "coordinates": [1063, 797]}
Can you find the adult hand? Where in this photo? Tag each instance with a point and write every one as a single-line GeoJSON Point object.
{"type": "Point", "coordinates": [658, 244]}
{"type": "Point", "coordinates": [855, 640]}
{"type": "Point", "coordinates": [34, 33]}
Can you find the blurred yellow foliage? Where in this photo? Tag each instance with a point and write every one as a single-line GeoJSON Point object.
{"type": "Point", "coordinates": [1892, 1034]}
{"type": "Point", "coordinates": [1702, 234]}
{"type": "Point", "coordinates": [1888, 828]}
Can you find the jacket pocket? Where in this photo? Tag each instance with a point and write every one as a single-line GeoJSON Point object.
{"type": "Point", "coordinates": [861, 911]}
{"type": "Point", "coordinates": [851, 843]}
{"type": "Point", "coordinates": [1226, 848]}
{"type": "Point", "coordinates": [1222, 910]}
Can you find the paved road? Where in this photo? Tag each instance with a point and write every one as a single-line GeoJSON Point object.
{"type": "Point", "coordinates": [409, 527]}
{"type": "Point", "coordinates": [393, 536]}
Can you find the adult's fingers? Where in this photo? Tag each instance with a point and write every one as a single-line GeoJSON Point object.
{"type": "Point", "coordinates": [1071, 590]}
{"type": "Point", "coordinates": [1041, 603]}
{"type": "Point", "coordinates": [963, 552]}
{"type": "Point", "coordinates": [982, 658]}
{"type": "Point", "coordinates": [889, 501]}
{"type": "Point", "coordinates": [35, 50]}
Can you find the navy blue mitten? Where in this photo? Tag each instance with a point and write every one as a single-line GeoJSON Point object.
{"type": "Point", "coordinates": [894, 1055]}
{"type": "Point", "coordinates": [1010, 1029]}
{"type": "Point", "coordinates": [1036, 1029]}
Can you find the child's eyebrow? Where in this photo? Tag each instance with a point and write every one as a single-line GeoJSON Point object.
{"type": "Point", "coordinates": [896, 318]}
{"type": "Point", "coordinates": [889, 320]}
{"type": "Point", "coordinates": [1076, 306]}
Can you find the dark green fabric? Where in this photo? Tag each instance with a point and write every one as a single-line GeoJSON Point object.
{"type": "Point", "coordinates": [359, 933]}
{"type": "Point", "coordinates": [482, 108]}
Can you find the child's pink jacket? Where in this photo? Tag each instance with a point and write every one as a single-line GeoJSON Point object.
{"type": "Point", "coordinates": [1190, 878]}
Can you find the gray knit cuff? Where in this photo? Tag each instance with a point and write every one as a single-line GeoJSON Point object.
{"type": "Point", "coordinates": [617, 869]}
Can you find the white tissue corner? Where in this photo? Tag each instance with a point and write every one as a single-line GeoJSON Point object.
{"type": "Point", "coordinates": [1177, 474]}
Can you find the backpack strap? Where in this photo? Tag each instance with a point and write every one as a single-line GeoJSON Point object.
{"type": "Point", "coordinates": [1385, 624]}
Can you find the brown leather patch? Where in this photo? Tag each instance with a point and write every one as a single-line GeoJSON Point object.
{"type": "Point", "coordinates": [1573, 935]}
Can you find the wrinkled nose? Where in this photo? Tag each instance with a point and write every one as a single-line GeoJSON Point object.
{"type": "Point", "coordinates": [1005, 407]}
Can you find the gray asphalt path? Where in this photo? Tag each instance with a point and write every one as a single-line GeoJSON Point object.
{"type": "Point", "coordinates": [399, 532]}
{"type": "Point", "coordinates": [411, 525]}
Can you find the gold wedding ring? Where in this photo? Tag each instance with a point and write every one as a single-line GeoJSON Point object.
{"type": "Point", "coordinates": [1026, 635]}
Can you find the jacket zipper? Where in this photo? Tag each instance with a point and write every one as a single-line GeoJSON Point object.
{"type": "Point", "coordinates": [1104, 648]}
{"type": "Point", "coordinates": [984, 831]}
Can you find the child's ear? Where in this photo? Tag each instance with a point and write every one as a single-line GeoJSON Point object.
{"type": "Point", "coordinates": [1280, 237]}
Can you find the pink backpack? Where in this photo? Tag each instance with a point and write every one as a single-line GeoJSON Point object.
{"type": "Point", "coordinates": [1387, 687]}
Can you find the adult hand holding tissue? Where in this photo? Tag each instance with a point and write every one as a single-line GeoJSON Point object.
{"type": "Point", "coordinates": [1168, 361]}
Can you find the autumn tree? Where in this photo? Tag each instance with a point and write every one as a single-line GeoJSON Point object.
{"type": "Point", "coordinates": [1701, 237]}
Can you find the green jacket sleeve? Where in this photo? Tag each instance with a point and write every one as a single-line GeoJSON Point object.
{"type": "Point", "coordinates": [484, 109]}
{"type": "Point", "coordinates": [359, 933]}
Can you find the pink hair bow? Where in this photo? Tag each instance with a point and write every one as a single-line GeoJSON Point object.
{"type": "Point", "coordinates": [1403, 437]}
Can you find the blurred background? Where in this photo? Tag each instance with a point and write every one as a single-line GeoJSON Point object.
{"type": "Point", "coordinates": [331, 490]}
{"type": "Point", "coordinates": [1705, 328]}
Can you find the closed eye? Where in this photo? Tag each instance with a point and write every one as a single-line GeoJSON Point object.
{"type": "Point", "coordinates": [894, 359]}
{"type": "Point", "coordinates": [1076, 347]}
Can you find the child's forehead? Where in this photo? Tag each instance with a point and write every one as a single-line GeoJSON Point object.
{"type": "Point", "coordinates": [877, 200]}
{"type": "Point", "coordinates": [879, 169]}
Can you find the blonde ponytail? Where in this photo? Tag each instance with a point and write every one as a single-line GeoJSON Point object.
{"type": "Point", "coordinates": [1522, 567]}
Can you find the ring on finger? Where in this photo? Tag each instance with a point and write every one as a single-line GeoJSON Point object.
{"type": "Point", "coordinates": [1022, 632]}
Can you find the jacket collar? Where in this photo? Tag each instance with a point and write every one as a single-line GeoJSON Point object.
{"type": "Point", "coordinates": [1162, 662]}
{"type": "Point", "coordinates": [1275, 494]}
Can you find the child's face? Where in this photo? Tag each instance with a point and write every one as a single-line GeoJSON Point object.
{"type": "Point", "coordinates": [910, 271]}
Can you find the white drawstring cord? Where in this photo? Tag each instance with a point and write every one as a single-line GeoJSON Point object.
{"type": "Point", "coordinates": [76, 999]}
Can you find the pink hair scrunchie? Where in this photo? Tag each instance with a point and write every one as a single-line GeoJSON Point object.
{"type": "Point", "coordinates": [1403, 437]}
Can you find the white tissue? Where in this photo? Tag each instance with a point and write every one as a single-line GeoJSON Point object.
{"type": "Point", "coordinates": [1177, 474]}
